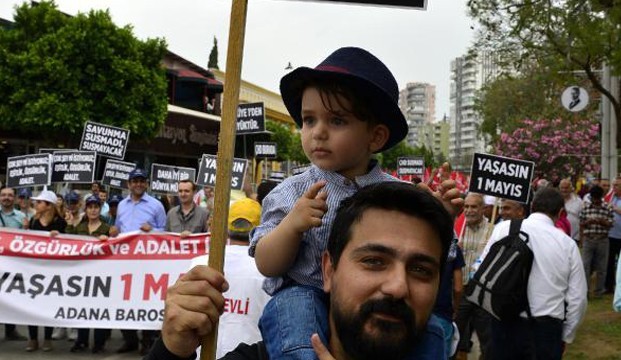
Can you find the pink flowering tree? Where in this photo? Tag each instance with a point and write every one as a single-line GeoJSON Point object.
{"type": "Point", "coordinates": [558, 147]}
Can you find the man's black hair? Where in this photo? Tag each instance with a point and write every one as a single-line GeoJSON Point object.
{"type": "Point", "coordinates": [264, 188]}
{"type": "Point", "coordinates": [597, 192]}
{"type": "Point", "coordinates": [548, 201]}
{"type": "Point", "coordinates": [397, 196]}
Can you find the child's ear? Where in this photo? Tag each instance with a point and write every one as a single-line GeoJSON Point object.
{"type": "Point", "coordinates": [379, 136]}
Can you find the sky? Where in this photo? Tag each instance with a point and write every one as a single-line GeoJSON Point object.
{"type": "Point", "coordinates": [417, 46]}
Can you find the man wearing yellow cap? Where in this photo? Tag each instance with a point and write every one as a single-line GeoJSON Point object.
{"type": "Point", "coordinates": [245, 299]}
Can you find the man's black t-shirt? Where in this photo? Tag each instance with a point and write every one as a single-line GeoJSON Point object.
{"type": "Point", "coordinates": [255, 351]}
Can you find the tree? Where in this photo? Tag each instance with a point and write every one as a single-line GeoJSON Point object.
{"type": "Point", "coordinates": [558, 148]}
{"type": "Point", "coordinates": [288, 142]}
{"type": "Point", "coordinates": [213, 55]}
{"type": "Point", "coordinates": [57, 72]}
{"type": "Point", "coordinates": [388, 159]}
{"type": "Point", "coordinates": [296, 152]}
{"type": "Point", "coordinates": [282, 136]}
{"type": "Point", "coordinates": [532, 94]}
{"type": "Point", "coordinates": [560, 36]}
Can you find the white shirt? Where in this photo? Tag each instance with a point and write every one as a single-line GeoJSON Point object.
{"type": "Point", "coordinates": [244, 301]}
{"type": "Point", "coordinates": [573, 206]}
{"type": "Point", "coordinates": [557, 276]}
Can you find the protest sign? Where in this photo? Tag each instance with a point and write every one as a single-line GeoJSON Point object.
{"type": "Point", "coordinates": [207, 172]}
{"type": "Point", "coordinates": [165, 178]}
{"type": "Point", "coordinates": [116, 173]}
{"type": "Point", "coordinates": [502, 177]}
{"type": "Point", "coordinates": [28, 170]}
{"type": "Point", "coordinates": [265, 149]}
{"type": "Point", "coordinates": [73, 166]}
{"type": "Point", "coordinates": [250, 118]}
{"type": "Point", "coordinates": [106, 140]}
{"type": "Point", "coordinates": [78, 281]}
{"type": "Point", "coordinates": [411, 166]}
{"type": "Point", "coordinates": [50, 150]}
{"type": "Point", "coordinates": [410, 4]}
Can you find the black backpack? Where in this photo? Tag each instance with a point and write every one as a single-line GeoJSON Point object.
{"type": "Point", "coordinates": [499, 285]}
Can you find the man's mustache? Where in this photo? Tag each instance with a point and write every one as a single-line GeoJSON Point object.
{"type": "Point", "coordinates": [389, 306]}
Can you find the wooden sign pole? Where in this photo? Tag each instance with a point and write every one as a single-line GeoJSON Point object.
{"type": "Point", "coordinates": [226, 149]}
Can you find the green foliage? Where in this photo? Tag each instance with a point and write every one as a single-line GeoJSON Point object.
{"type": "Point", "coordinates": [296, 152]}
{"type": "Point", "coordinates": [533, 94]}
{"type": "Point", "coordinates": [56, 72]}
{"type": "Point", "coordinates": [282, 136]}
{"type": "Point", "coordinates": [288, 143]}
{"type": "Point", "coordinates": [556, 36]}
{"type": "Point", "coordinates": [213, 55]}
{"type": "Point", "coordinates": [388, 159]}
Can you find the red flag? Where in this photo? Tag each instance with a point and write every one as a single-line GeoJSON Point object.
{"type": "Point", "coordinates": [459, 224]}
{"type": "Point", "coordinates": [427, 174]}
{"type": "Point", "coordinates": [608, 196]}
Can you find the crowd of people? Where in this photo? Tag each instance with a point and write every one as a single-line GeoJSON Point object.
{"type": "Point", "coordinates": [347, 262]}
{"type": "Point", "coordinates": [92, 213]}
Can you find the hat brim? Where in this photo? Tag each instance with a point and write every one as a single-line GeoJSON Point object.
{"type": "Point", "coordinates": [36, 198]}
{"type": "Point", "coordinates": [384, 108]}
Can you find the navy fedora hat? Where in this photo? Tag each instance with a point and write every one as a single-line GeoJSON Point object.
{"type": "Point", "coordinates": [368, 77]}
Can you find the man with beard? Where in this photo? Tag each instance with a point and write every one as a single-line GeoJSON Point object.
{"type": "Point", "coordinates": [381, 270]}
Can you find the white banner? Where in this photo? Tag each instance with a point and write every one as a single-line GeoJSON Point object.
{"type": "Point", "coordinates": [78, 281]}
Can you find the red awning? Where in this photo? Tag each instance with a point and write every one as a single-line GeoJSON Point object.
{"type": "Point", "coordinates": [189, 75]}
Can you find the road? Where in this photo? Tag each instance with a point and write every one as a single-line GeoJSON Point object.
{"type": "Point", "coordinates": [14, 350]}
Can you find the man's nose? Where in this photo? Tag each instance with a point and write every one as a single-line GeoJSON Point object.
{"type": "Point", "coordinates": [396, 283]}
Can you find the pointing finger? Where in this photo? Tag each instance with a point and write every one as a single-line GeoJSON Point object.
{"type": "Point", "coordinates": [312, 192]}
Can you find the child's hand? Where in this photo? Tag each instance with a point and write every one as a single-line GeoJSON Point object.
{"type": "Point", "coordinates": [448, 194]}
{"type": "Point", "coordinates": [320, 349]}
{"type": "Point", "coordinates": [310, 208]}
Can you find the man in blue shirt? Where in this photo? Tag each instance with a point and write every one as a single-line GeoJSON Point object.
{"type": "Point", "coordinates": [14, 219]}
{"type": "Point", "coordinates": [138, 211]}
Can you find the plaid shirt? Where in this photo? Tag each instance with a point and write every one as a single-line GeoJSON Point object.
{"type": "Point", "coordinates": [603, 211]}
{"type": "Point", "coordinates": [472, 243]}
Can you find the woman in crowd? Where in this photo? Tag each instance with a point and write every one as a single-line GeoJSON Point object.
{"type": "Point", "coordinates": [60, 203]}
{"type": "Point", "coordinates": [46, 218]}
{"type": "Point", "coordinates": [92, 224]}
